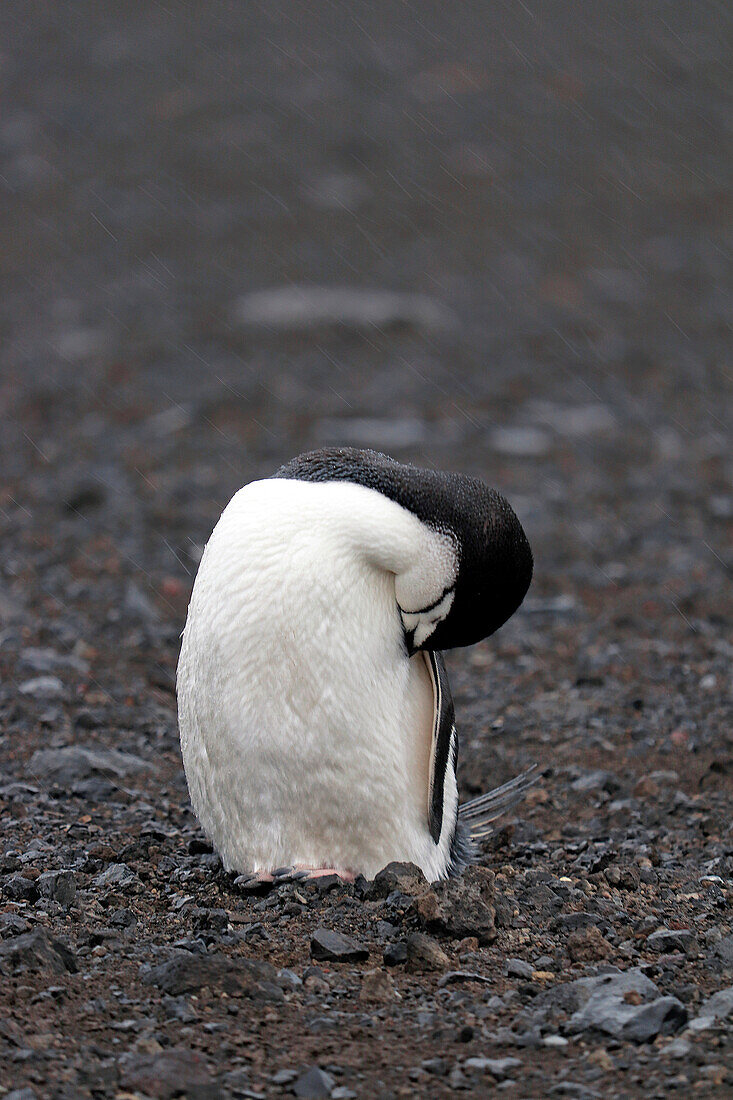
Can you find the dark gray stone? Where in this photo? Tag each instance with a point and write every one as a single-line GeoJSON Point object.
{"type": "Point", "coordinates": [167, 1074]}
{"type": "Point", "coordinates": [460, 907]}
{"type": "Point", "coordinates": [606, 1006]}
{"type": "Point", "coordinates": [405, 878]}
{"type": "Point", "coordinates": [76, 762]}
{"type": "Point", "coordinates": [518, 968]}
{"type": "Point", "coordinates": [667, 940]}
{"type": "Point", "coordinates": [330, 946]}
{"type": "Point", "coordinates": [184, 972]}
{"type": "Point", "coordinates": [59, 886]}
{"type": "Point", "coordinates": [314, 1084]}
{"type": "Point", "coordinates": [37, 951]}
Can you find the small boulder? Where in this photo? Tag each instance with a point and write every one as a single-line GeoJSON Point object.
{"type": "Point", "coordinates": [37, 951]}
{"type": "Point", "coordinates": [459, 908]}
{"type": "Point", "coordinates": [424, 953]}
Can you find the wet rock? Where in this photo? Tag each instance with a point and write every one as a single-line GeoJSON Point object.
{"type": "Point", "coordinates": [36, 950]}
{"type": "Point", "coordinates": [314, 1084]}
{"type": "Point", "coordinates": [58, 886]}
{"type": "Point", "coordinates": [424, 953]}
{"type": "Point", "coordinates": [167, 1073]}
{"type": "Point", "coordinates": [667, 940]}
{"type": "Point", "coordinates": [185, 972]}
{"type": "Point", "coordinates": [75, 762]}
{"type": "Point", "coordinates": [405, 878]}
{"type": "Point", "coordinates": [587, 945]}
{"type": "Point", "coordinates": [626, 1005]}
{"type": "Point", "coordinates": [330, 946]}
{"type": "Point", "coordinates": [460, 907]}
{"type": "Point", "coordinates": [307, 308]}
{"type": "Point", "coordinates": [377, 986]}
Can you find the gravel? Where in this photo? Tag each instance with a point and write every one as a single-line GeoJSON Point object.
{"type": "Point", "coordinates": [518, 217]}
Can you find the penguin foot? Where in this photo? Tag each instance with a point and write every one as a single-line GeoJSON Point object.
{"type": "Point", "coordinates": [300, 872]}
{"type": "Point", "coordinates": [260, 882]}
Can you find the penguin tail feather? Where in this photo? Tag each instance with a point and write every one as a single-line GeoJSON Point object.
{"type": "Point", "coordinates": [475, 817]}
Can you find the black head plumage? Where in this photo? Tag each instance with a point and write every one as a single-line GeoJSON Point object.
{"type": "Point", "coordinates": [494, 557]}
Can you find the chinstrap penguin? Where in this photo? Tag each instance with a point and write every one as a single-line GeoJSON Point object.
{"type": "Point", "coordinates": [316, 720]}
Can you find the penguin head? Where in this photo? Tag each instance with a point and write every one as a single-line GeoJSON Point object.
{"type": "Point", "coordinates": [493, 567]}
{"type": "Point", "coordinates": [483, 566]}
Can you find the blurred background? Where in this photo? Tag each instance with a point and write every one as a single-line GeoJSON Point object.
{"type": "Point", "coordinates": [492, 238]}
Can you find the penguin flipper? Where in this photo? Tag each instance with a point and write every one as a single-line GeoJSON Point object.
{"type": "Point", "coordinates": [444, 750]}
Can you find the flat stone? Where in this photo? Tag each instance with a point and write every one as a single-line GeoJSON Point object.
{"type": "Point", "coordinates": [75, 762]}
{"type": "Point", "coordinates": [185, 972]}
{"type": "Point", "coordinates": [500, 1068]}
{"type": "Point", "coordinates": [306, 308]}
{"type": "Point", "coordinates": [330, 946]}
{"type": "Point", "coordinates": [42, 687]}
{"type": "Point", "coordinates": [117, 875]}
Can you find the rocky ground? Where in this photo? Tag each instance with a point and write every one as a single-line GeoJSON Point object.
{"type": "Point", "coordinates": [530, 203]}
